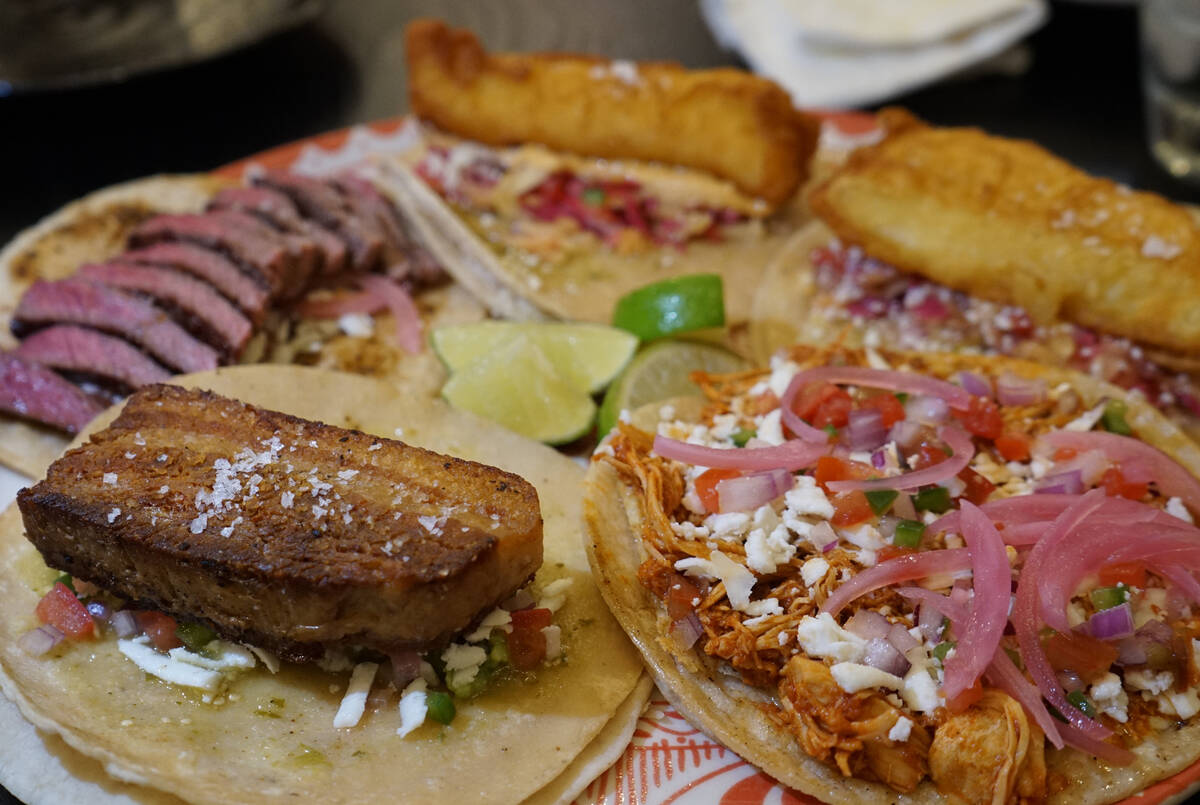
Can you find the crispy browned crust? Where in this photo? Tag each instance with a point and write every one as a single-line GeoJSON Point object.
{"type": "Point", "coordinates": [379, 543]}
{"type": "Point", "coordinates": [1006, 220]}
{"type": "Point", "coordinates": [735, 125]}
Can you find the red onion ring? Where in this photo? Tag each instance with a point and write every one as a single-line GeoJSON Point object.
{"type": "Point", "coordinates": [952, 435]}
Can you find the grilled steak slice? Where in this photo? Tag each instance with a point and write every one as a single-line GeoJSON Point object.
{"type": "Point", "coordinates": [77, 301]}
{"type": "Point", "coordinates": [90, 352]}
{"type": "Point", "coordinates": [200, 309]}
{"type": "Point", "coordinates": [324, 204]}
{"type": "Point", "coordinates": [306, 257]}
{"type": "Point", "coordinates": [281, 212]}
{"type": "Point", "coordinates": [281, 532]}
{"type": "Point", "coordinates": [222, 273]}
{"type": "Point", "coordinates": [266, 258]}
{"type": "Point", "coordinates": [34, 392]}
{"type": "Point", "coordinates": [404, 258]}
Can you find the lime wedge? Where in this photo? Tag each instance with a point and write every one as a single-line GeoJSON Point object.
{"type": "Point", "coordinates": [586, 356]}
{"type": "Point", "coordinates": [517, 386]}
{"type": "Point", "coordinates": [662, 371]}
{"type": "Point", "coordinates": [679, 305]}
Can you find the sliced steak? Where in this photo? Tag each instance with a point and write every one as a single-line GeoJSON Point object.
{"type": "Point", "coordinates": [267, 258]}
{"type": "Point", "coordinates": [82, 350]}
{"type": "Point", "coordinates": [404, 258]}
{"type": "Point", "coordinates": [32, 391]}
{"type": "Point", "coordinates": [217, 270]}
{"type": "Point", "coordinates": [78, 301]}
{"type": "Point", "coordinates": [194, 304]}
{"type": "Point", "coordinates": [326, 205]}
{"type": "Point", "coordinates": [281, 212]}
{"type": "Point", "coordinates": [281, 532]}
{"type": "Point", "coordinates": [306, 257]}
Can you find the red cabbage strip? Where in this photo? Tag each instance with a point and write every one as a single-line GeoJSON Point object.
{"type": "Point", "coordinates": [955, 437]}
{"type": "Point", "coordinates": [791, 455]}
{"type": "Point", "coordinates": [902, 568]}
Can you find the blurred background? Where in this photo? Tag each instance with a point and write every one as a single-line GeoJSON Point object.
{"type": "Point", "coordinates": [197, 83]}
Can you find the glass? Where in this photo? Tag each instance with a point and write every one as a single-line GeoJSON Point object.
{"type": "Point", "coordinates": [1170, 31]}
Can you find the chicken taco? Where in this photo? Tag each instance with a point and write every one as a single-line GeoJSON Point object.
{"type": "Point", "coordinates": [888, 577]}
{"type": "Point", "coordinates": [445, 638]}
{"type": "Point", "coordinates": [171, 274]}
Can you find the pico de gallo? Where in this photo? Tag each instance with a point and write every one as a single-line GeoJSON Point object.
{"type": "Point", "coordinates": [916, 565]}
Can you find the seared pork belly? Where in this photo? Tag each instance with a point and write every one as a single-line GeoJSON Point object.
{"type": "Point", "coordinates": [77, 301]}
{"type": "Point", "coordinates": [284, 533]}
{"type": "Point", "coordinates": [218, 271]}
{"type": "Point", "coordinates": [32, 391]}
{"type": "Point", "coordinates": [194, 304]}
{"type": "Point", "coordinates": [91, 353]}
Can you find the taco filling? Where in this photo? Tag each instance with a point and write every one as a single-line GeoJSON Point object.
{"type": "Point", "coordinates": [933, 578]}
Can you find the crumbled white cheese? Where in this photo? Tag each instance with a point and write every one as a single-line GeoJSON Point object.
{"type": "Point", "coordinates": [1185, 705]}
{"type": "Point", "coordinates": [167, 668]}
{"type": "Point", "coordinates": [1076, 614]}
{"type": "Point", "coordinates": [553, 635]}
{"type": "Point", "coordinates": [867, 538]}
{"type": "Point", "coordinates": [806, 499]}
{"type": "Point", "coordinates": [1150, 681]}
{"type": "Point", "coordinates": [219, 655]}
{"type": "Point", "coordinates": [900, 730]}
{"type": "Point", "coordinates": [737, 579]}
{"type": "Point", "coordinates": [762, 609]}
{"type": "Point", "coordinates": [770, 427]}
{"type": "Point", "coordinates": [727, 525]}
{"type": "Point", "coordinates": [413, 707]}
{"type": "Point", "coordinates": [554, 594]}
{"type": "Point", "coordinates": [1087, 420]}
{"type": "Point", "coordinates": [822, 637]}
{"type": "Point", "coordinates": [782, 372]}
{"type": "Point", "coordinates": [688, 530]}
{"type": "Point", "coordinates": [356, 325]}
{"type": "Point", "coordinates": [269, 660]}
{"type": "Point", "coordinates": [1148, 606]}
{"type": "Point", "coordinates": [110, 478]}
{"type": "Point", "coordinates": [496, 619]}
{"type": "Point", "coordinates": [813, 570]}
{"type": "Point", "coordinates": [463, 661]}
{"type": "Point", "coordinates": [350, 711]}
{"type": "Point", "coordinates": [920, 691]}
{"type": "Point", "coordinates": [1175, 508]}
{"type": "Point", "coordinates": [853, 677]}
{"type": "Point", "coordinates": [767, 544]}
{"type": "Point", "coordinates": [1110, 698]}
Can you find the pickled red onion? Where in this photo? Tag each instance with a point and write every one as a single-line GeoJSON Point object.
{"type": "Point", "coordinates": [400, 305]}
{"type": "Point", "coordinates": [988, 612]}
{"type": "Point", "coordinates": [1083, 740]}
{"type": "Point", "coordinates": [791, 455]}
{"type": "Point", "coordinates": [334, 306]}
{"type": "Point", "coordinates": [955, 437]}
{"type": "Point", "coordinates": [893, 571]}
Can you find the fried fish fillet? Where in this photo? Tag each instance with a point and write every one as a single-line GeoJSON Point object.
{"type": "Point", "coordinates": [281, 532]}
{"type": "Point", "coordinates": [1008, 221]}
{"type": "Point", "coordinates": [732, 124]}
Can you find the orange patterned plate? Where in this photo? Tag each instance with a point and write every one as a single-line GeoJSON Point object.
{"type": "Point", "coordinates": [668, 762]}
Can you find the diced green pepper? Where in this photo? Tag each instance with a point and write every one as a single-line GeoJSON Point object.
{"type": "Point", "coordinates": [66, 579]}
{"type": "Point", "coordinates": [1077, 698]}
{"type": "Point", "coordinates": [942, 649]}
{"type": "Point", "coordinates": [440, 707]}
{"type": "Point", "coordinates": [743, 435]}
{"type": "Point", "coordinates": [831, 430]}
{"type": "Point", "coordinates": [1109, 597]}
{"type": "Point", "coordinates": [881, 499]}
{"type": "Point", "coordinates": [497, 649]}
{"type": "Point", "coordinates": [902, 396]}
{"type": "Point", "coordinates": [934, 499]}
{"type": "Point", "coordinates": [594, 196]}
{"type": "Point", "coordinates": [908, 534]}
{"type": "Point", "coordinates": [467, 690]}
{"type": "Point", "coordinates": [194, 635]}
{"type": "Point", "coordinates": [1113, 418]}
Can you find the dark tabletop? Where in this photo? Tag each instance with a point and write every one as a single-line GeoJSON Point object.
{"type": "Point", "coordinates": [1080, 96]}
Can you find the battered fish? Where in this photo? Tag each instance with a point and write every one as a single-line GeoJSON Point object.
{"type": "Point", "coordinates": [1006, 220]}
{"type": "Point", "coordinates": [728, 122]}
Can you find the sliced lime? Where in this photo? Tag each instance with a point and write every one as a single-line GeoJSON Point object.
{"type": "Point", "coordinates": [679, 305]}
{"type": "Point", "coordinates": [518, 387]}
{"type": "Point", "coordinates": [661, 371]}
{"type": "Point", "coordinates": [587, 356]}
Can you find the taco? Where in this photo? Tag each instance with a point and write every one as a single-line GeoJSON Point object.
{"type": "Point", "coordinates": [268, 733]}
{"type": "Point", "coordinates": [952, 239]}
{"type": "Point", "coordinates": [182, 273]}
{"type": "Point", "coordinates": [835, 609]}
{"type": "Point", "coordinates": [611, 175]}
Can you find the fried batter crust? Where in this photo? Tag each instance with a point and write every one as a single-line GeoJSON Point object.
{"type": "Point", "coordinates": [735, 125]}
{"type": "Point", "coordinates": [1006, 220]}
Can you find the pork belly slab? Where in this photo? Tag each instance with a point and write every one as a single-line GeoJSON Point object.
{"type": "Point", "coordinates": [284, 533]}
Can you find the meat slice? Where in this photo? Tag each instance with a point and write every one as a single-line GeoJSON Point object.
{"type": "Point", "coordinates": [306, 257]}
{"type": "Point", "coordinates": [31, 391]}
{"type": "Point", "coordinates": [266, 258]}
{"type": "Point", "coordinates": [78, 301]}
{"type": "Point", "coordinates": [200, 309]}
{"type": "Point", "coordinates": [280, 532]}
{"type": "Point", "coordinates": [222, 273]}
{"type": "Point", "coordinates": [91, 352]}
{"type": "Point", "coordinates": [325, 204]}
{"type": "Point", "coordinates": [408, 260]}
{"type": "Point", "coordinates": [281, 212]}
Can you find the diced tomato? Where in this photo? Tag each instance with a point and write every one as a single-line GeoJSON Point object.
{"type": "Point", "coordinates": [982, 418]}
{"type": "Point", "coordinates": [1131, 574]}
{"type": "Point", "coordinates": [160, 629]}
{"type": "Point", "coordinates": [526, 642]}
{"type": "Point", "coordinates": [706, 486]}
{"type": "Point", "coordinates": [831, 468]}
{"type": "Point", "coordinates": [965, 699]}
{"type": "Point", "coordinates": [62, 610]}
{"type": "Point", "coordinates": [979, 489]}
{"type": "Point", "coordinates": [850, 508]}
{"type": "Point", "coordinates": [891, 552]}
{"type": "Point", "coordinates": [1013, 446]}
{"type": "Point", "coordinates": [888, 405]}
{"type": "Point", "coordinates": [926, 456]}
{"type": "Point", "coordinates": [531, 618]}
{"type": "Point", "coordinates": [1115, 485]}
{"type": "Point", "coordinates": [1064, 453]}
{"type": "Point", "coordinates": [824, 404]}
{"type": "Point", "coordinates": [682, 597]}
{"type": "Point", "coordinates": [809, 398]}
{"type": "Point", "coordinates": [1080, 653]}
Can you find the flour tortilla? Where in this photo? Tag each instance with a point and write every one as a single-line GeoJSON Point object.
{"type": "Point", "coordinates": [508, 744]}
{"type": "Point", "coordinates": [97, 227]}
{"type": "Point", "coordinates": [718, 702]}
